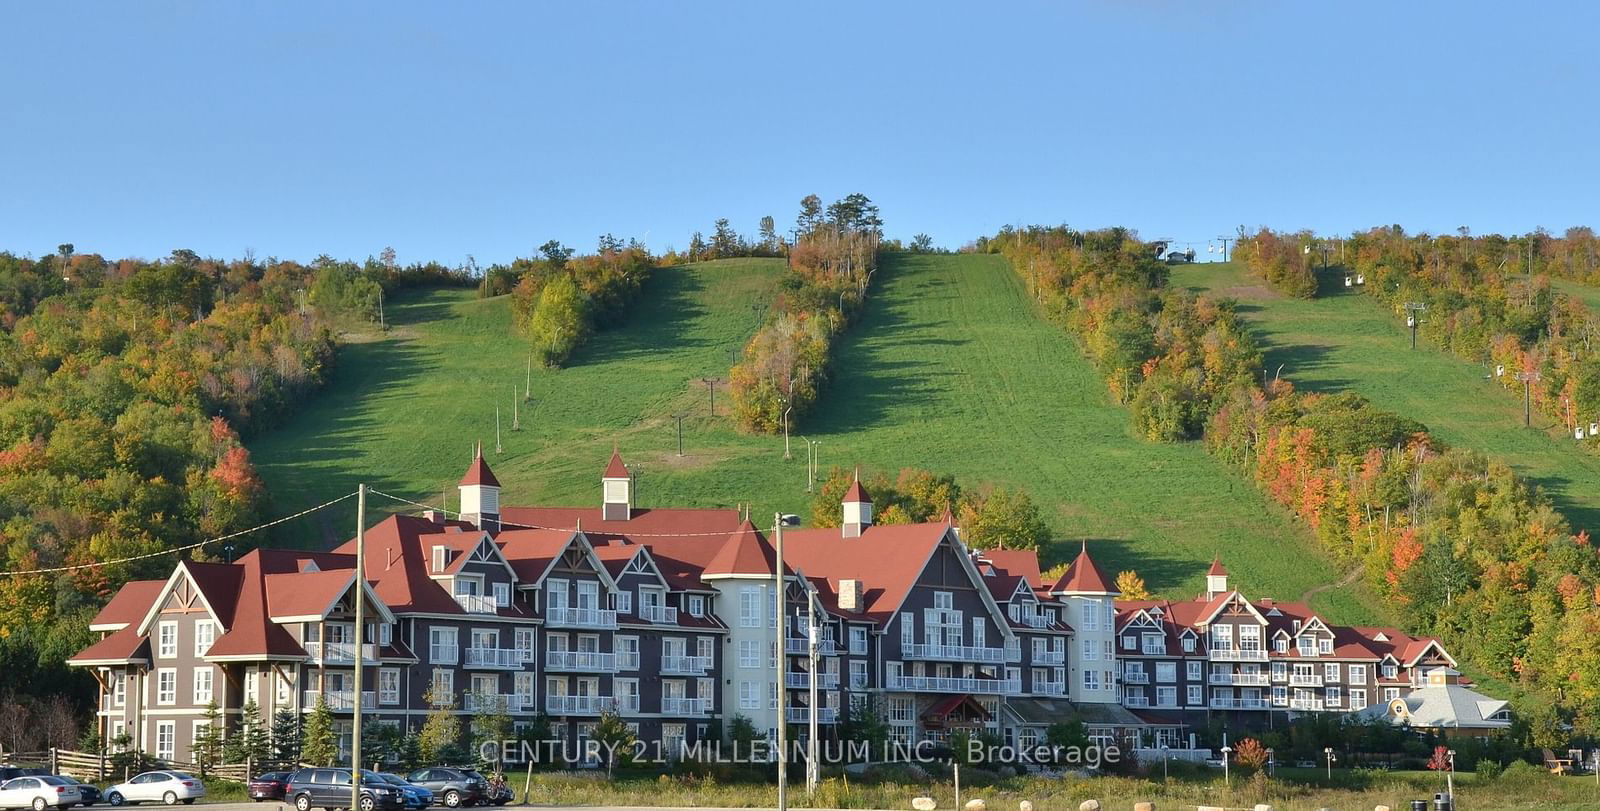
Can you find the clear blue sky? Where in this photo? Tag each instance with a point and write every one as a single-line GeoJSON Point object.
{"type": "Point", "coordinates": [454, 128]}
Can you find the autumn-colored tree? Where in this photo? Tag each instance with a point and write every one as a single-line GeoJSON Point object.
{"type": "Point", "coordinates": [1132, 586]}
{"type": "Point", "coordinates": [1249, 754]}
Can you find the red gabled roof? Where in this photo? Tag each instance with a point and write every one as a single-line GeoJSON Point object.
{"type": "Point", "coordinates": [128, 605]}
{"type": "Point", "coordinates": [124, 645]}
{"type": "Point", "coordinates": [887, 559]}
{"type": "Point", "coordinates": [1084, 577]}
{"type": "Point", "coordinates": [478, 473]}
{"type": "Point", "coordinates": [615, 469]}
{"type": "Point", "coordinates": [1020, 562]}
{"type": "Point", "coordinates": [1216, 569]}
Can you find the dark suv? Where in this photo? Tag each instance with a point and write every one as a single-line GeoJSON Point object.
{"type": "Point", "coordinates": [330, 788]}
{"type": "Point", "coordinates": [452, 788]}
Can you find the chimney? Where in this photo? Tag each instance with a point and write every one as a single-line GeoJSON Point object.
{"type": "Point", "coordinates": [850, 595]}
{"type": "Point", "coordinates": [433, 516]}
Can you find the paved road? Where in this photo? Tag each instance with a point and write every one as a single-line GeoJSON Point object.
{"type": "Point", "coordinates": [280, 806]}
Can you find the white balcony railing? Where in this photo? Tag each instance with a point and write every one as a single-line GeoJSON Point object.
{"type": "Point", "coordinates": [802, 647]}
{"type": "Point", "coordinates": [1136, 677]}
{"type": "Point", "coordinates": [601, 618]}
{"type": "Point", "coordinates": [579, 705]}
{"type": "Point", "coordinates": [954, 653]}
{"type": "Point", "coordinates": [659, 614]}
{"type": "Point", "coordinates": [1222, 703]}
{"type": "Point", "coordinates": [685, 665]}
{"type": "Point", "coordinates": [938, 684]}
{"type": "Point", "coordinates": [1050, 688]}
{"type": "Point", "coordinates": [677, 705]}
{"type": "Point", "coordinates": [580, 661]}
{"type": "Point", "coordinates": [1243, 679]}
{"type": "Point", "coordinates": [1310, 704]}
{"type": "Point", "coordinates": [477, 604]}
{"type": "Point", "coordinates": [490, 702]}
{"type": "Point", "coordinates": [802, 715]}
{"type": "Point", "coordinates": [340, 700]}
{"type": "Point", "coordinates": [495, 658]}
{"type": "Point", "coordinates": [802, 681]}
{"type": "Point", "coordinates": [1036, 621]}
{"type": "Point", "coordinates": [340, 652]}
{"type": "Point", "coordinates": [1238, 655]}
{"type": "Point", "coordinates": [627, 705]}
{"type": "Point", "coordinates": [1050, 657]}
{"type": "Point", "coordinates": [1137, 702]}
{"type": "Point", "coordinates": [627, 660]}
{"type": "Point", "coordinates": [1304, 680]}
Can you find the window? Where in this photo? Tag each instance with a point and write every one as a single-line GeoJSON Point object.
{"type": "Point", "coordinates": [167, 640]}
{"type": "Point", "coordinates": [705, 648]}
{"type": "Point", "coordinates": [627, 648]}
{"type": "Point", "coordinates": [1222, 637]}
{"type": "Point", "coordinates": [1326, 646]}
{"type": "Point", "coordinates": [1358, 675]}
{"type": "Point", "coordinates": [202, 685]}
{"type": "Point", "coordinates": [1358, 699]}
{"type": "Point", "coordinates": [1330, 671]}
{"type": "Point", "coordinates": [1111, 652]}
{"type": "Point", "coordinates": [444, 685]}
{"type": "Point", "coordinates": [443, 647]}
{"type": "Point", "coordinates": [858, 641]}
{"type": "Point", "coordinates": [385, 633]}
{"type": "Point", "coordinates": [901, 711]}
{"type": "Point", "coordinates": [977, 632]}
{"type": "Point", "coordinates": [1194, 671]}
{"type": "Point", "coordinates": [205, 632]}
{"type": "Point", "coordinates": [1390, 671]}
{"type": "Point", "coordinates": [1127, 643]}
{"type": "Point", "coordinates": [944, 601]}
{"type": "Point", "coordinates": [502, 594]}
{"type": "Point", "coordinates": [522, 639]}
{"type": "Point", "coordinates": [697, 605]}
{"type": "Point", "coordinates": [1196, 695]}
{"type": "Point", "coordinates": [749, 653]}
{"type": "Point", "coordinates": [1091, 651]}
{"type": "Point", "coordinates": [1281, 644]}
{"type": "Point", "coordinates": [167, 740]}
{"type": "Point", "coordinates": [1091, 615]}
{"type": "Point", "coordinates": [119, 689]}
{"type": "Point", "coordinates": [524, 684]}
{"type": "Point", "coordinates": [388, 685]}
{"type": "Point", "coordinates": [558, 594]}
{"type": "Point", "coordinates": [1188, 644]}
{"type": "Point", "coordinates": [1154, 644]}
{"type": "Point", "coordinates": [750, 607]}
{"type": "Point", "coordinates": [1333, 696]}
{"type": "Point", "coordinates": [623, 601]}
{"type": "Point", "coordinates": [1307, 645]}
{"type": "Point", "coordinates": [166, 686]}
{"type": "Point", "coordinates": [1280, 695]}
{"type": "Point", "coordinates": [283, 689]}
{"type": "Point", "coordinates": [908, 634]}
{"type": "Point", "coordinates": [1166, 696]}
{"type": "Point", "coordinates": [858, 674]}
{"type": "Point", "coordinates": [1167, 672]}
{"type": "Point", "coordinates": [749, 696]}
{"type": "Point", "coordinates": [1111, 614]}
{"type": "Point", "coordinates": [1391, 693]}
{"type": "Point", "coordinates": [1091, 680]}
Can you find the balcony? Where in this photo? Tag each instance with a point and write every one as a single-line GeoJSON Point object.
{"type": "Point", "coordinates": [802, 715]}
{"type": "Point", "coordinates": [1136, 677]}
{"type": "Point", "coordinates": [945, 684]}
{"type": "Point", "coordinates": [953, 653]}
{"type": "Point", "coordinates": [802, 647]}
{"type": "Point", "coordinates": [335, 653]}
{"type": "Point", "coordinates": [626, 705]}
{"type": "Point", "coordinates": [1050, 688]}
{"type": "Point", "coordinates": [598, 618]}
{"type": "Point", "coordinates": [495, 658]}
{"type": "Point", "coordinates": [340, 700]}
{"type": "Point", "coordinates": [1050, 657]}
{"type": "Point", "coordinates": [1240, 679]}
{"type": "Point", "coordinates": [685, 665]}
{"type": "Point", "coordinates": [627, 660]}
{"type": "Point", "coordinates": [1306, 704]}
{"type": "Point", "coordinates": [659, 614]}
{"type": "Point", "coordinates": [1305, 680]}
{"type": "Point", "coordinates": [490, 702]}
{"type": "Point", "coordinates": [1036, 621]}
{"type": "Point", "coordinates": [802, 681]}
{"type": "Point", "coordinates": [579, 705]}
{"type": "Point", "coordinates": [575, 661]}
{"type": "Point", "coordinates": [1218, 703]}
{"type": "Point", "coordinates": [858, 682]}
{"type": "Point", "coordinates": [1137, 702]}
{"type": "Point", "coordinates": [678, 705]}
{"type": "Point", "coordinates": [477, 604]}
{"type": "Point", "coordinates": [1238, 655]}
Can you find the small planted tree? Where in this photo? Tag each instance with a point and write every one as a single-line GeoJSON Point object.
{"type": "Point", "coordinates": [252, 745]}
{"type": "Point", "coordinates": [491, 726]}
{"type": "Point", "coordinates": [441, 732]}
{"type": "Point", "coordinates": [286, 738]}
{"type": "Point", "coordinates": [319, 744]}
{"type": "Point", "coordinates": [207, 747]}
{"type": "Point", "coordinates": [1250, 754]}
{"type": "Point", "coordinates": [615, 741]}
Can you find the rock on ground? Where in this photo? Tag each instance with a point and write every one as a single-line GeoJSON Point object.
{"type": "Point", "coordinates": [923, 803]}
{"type": "Point", "coordinates": [977, 805]}
{"type": "Point", "coordinates": [1089, 805]}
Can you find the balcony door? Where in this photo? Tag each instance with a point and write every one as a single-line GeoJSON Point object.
{"type": "Point", "coordinates": [588, 596]}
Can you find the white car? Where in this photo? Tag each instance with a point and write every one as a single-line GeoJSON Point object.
{"type": "Point", "coordinates": [38, 793]}
{"type": "Point", "coordinates": [165, 786]}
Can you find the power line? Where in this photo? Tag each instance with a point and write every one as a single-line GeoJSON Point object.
{"type": "Point", "coordinates": [186, 547]}
{"type": "Point", "coordinates": [504, 523]}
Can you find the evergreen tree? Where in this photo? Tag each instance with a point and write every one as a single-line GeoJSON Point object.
{"type": "Point", "coordinates": [410, 754]}
{"type": "Point", "coordinates": [286, 738]}
{"type": "Point", "coordinates": [725, 241]}
{"type": "Point", "coordinates": [207, 747]}
{"type": "Point", "coordinates": [252, 744]}
{"type": "Point", "coordinates": [769, 235]}
{"type": "Point", "coordinates": [319, 744]}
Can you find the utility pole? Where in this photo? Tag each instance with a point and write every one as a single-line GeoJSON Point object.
{"type": "Point", "coordinates": [1528, 379]}
{"type": "Point", "coordinates": [516, 410]}
{"type": "Point", "coordinates": [783, 667]}
{"type": "Point", "coordinates": [679, 418]}
{"type": "Point", "coordinates": [381, 325]}
{"type": "Point", "coordinates": [497, 447]}
{"type": "Point", "coordinates": [711, 389]}
{"type": "Point", "coordinates": [1225, 241]}
{"type": "Point", "coordinates": [811, 461]}
{"type": "Point", "coordinates": [1414, 310]}
{"type": "Point", "coordinates": [527, 386]}
{"type": "Point", "coordinates": [813, 768]}
{"type": "Point", "coordinates": [361, 626]}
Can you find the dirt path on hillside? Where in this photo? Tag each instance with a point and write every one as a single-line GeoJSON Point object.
{"type": "Point", "coordinates": [1347, 580]}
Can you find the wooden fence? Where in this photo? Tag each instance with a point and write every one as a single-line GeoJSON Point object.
{"type": "Point", "coordinates": [95, 767]}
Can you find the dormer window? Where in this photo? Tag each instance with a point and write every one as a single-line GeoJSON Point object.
{"type": "Point", "coordinates": [1281, 644]}
{"type": "Point", "coordinates": [1188, 644]}
{"type": "Point", "coordinates": [441, 557]}
{"type": "Point", "coordinates": [502, 594]}
{"type": "Point", "coordinates": [1307, 645]}
{"type": "Point", "coordinates": [697, 605]}
{"type": "Point", "coordinates": [1128, 643]}
{"type": "Point", "coordinates": [1325, 645]}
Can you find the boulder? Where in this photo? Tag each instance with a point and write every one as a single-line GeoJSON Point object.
{"type": "Point", "coordinates": [1263, 807]}
{"type": "Point", "coordinates": [1025, 805]}
{"type": "Point", "coordinates": [1144, 807]}
{"type": "Point", "coordinates": [1381, 808]}
{"type": "Point", "coordinates": [923, 803]}
{"type": "Point", "coordinates": [976, 805]}
{"type": "Point", "coordinates": [1089, 805]}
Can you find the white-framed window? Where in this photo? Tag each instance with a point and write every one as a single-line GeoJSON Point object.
{"type": "Point", "coordinates": [502, 594]}
{"type": "Point", "coordinates": [705, 647]}
{"type": "Point", "coordinates": [1358, 699]}
{"type": "Point", "coordinates": [202, 685]}
{"type": "Point", "coordinates": [523, 641]}
{"type": "Point", "coordinates": [389, 685]}
{"type": "Point", "coordinates": [624, 601]}
{"type": "Point", "coordinates": [697, 605]}
{"type": "Point", "coordinates": [858, 641]}
{"type": "Point", "coordinates": [1281, 644]}
{"type": "Point", "coordinates": [1280, 695]}
{"type": "Point", "coordinates": [908, 633]}
{"type": "Point", "coordinates": [772, 695]}
{"type": "Point", "coordinates": [167, 740]}
{"type": "Point", "coordinates": [1188, 644]}
{"type": "Point", "coordinates": [385, 633]}
{"type": "Point", "coordinates": [1391, 672]}
{"type": "Point", "coordinates": [524, 686]}
{"type": "Point", "coordinates": [627, 692]}
{"type": "Point", "coordinates": [167, 685]}
{"type": "Point", "coordinates": [1091, 651]}
{"type": "Point", "coordinates": [1128, 642]}
{"type": "Point", "coordinates": [749, 653]}
{"type": "Point", "coordinates": [1222, 637]}
{"type": "Point", "coordinates": [1250, 637]}
{"type": "Point", "coordinates": [750, 606]}
{"type": "Point", "coordinates": [166, 640]}
{"type": "Point", "coordinates": [1325, 645]}
{"type": "Point", "coordinates": [1391, 693]}
{"type": "Point", "coordinates": [901, 710]}
{"type": "Point", "coordinates": [978, 636]}
{"type": "Point", "coordinates": [627, 648]}
{"type": "Point", "coordinates": [1091, 680]}
{"type": "Point", "coordinates": [444, 684]}
{"type": "Point", "coordinates": [1194, 670]}
{"type": "Point", "coordinates": [443, 646]}
{"type": "Point", "coordinates": [1334, 696]}
{"type": "Point", "coordinates": [749, 695]}
{"type": "Point", "coordinates": [205, 632]}
{"type": "Point", "coordinates": [282, 689]}
{"type": "Point", "coordinates": [1196, 695]}
{"type": "Point", "coordinates": [1330, 671]}
{"type": "Point", "coordinates": [1307, 645]}
{"type": "Point", "coordinates": [1358, 675]}
{"type": "Point", "coordinates": [858, 674]}
{"type": "Point", "coordinates": [119, 689]}
{"type": "Point", "coordinates": [1166, 696]}
{"type": "Point", "coordinates": [1091, 615]}
{"type": "Point", "coordinates": [1155, 644]}
{"type": "Point", "coordinates": [1166, 672]}
{"type": "Point", "coordinates": [557, 593]}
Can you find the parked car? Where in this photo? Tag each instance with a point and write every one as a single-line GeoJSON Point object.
{"type": "Point", "coordinates": [269, 786]}
{"type": "Point", "coordinates": [496, 791]}
{"type": "Point", "coordinates": [453, 787]}
{"type": "Point", "coordinates": [91, 793]}
{"type": "Point", "coordinates": [330, 788]}
{"type": "Point", "coordinates": [415, 796]}
{"type": "Point", "coordinates": [9, 771]}
{"type": "Point", "coordinates": [164, 785]}
{"type": "Point", "coordinates": [1305, 764]}
{"type": "Point", "coordinates": [38, 793]}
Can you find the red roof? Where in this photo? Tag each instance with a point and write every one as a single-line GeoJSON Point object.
{"type": "Point", "coordinates": [124, 645]}
{"type": "Point", "coordinates": [745, 552]}
{"type": "Point", "coordinates": [128, 605]}
{"type": "Point", "coordinates": [1020, 562]}
{"type": "Point", "coordinates": [1084, 577]}
{"type": "Point", "coordinates": [615, 469]}
{"type": "Point", "coordinates": [1216, 569]}
{"type": "Point", "coordinates": [478, 473]}
{"type": "Point", "coordinates": [887, 558]}
{"type": "Point", "coordinates": [856, 493]}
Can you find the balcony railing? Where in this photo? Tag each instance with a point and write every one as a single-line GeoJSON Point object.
{"type": "Point", "coordinates": [627, 660]}
{"type": "Point", "coordinates": [1244, 679]}
{"type": "Point", "coordinates": [802, 647]}
{"type": "Point", "coordinates": [1136, 677]}
{"type": "Point", "coordinates": [1238, 655]}
{"type": "Point", "coordinates": [340, 652]}
{"type": "Point", "coordinates": [802, 715]}
{"type": "Point", "coordinates": [601, 618]}
{"type": "Point", "coordinates": [943, 684]}
{"type": "Point", "coordinates": [1036, 621]}
{"type": "Point", "coordinates": [495, 658]}
{"type": "Point", "coordinates": [675, 705]}
{"type": "Point", "coordinates": [1050, 657]}
{"type": "Point", "coordinates": [1238, 703]}
{"type": "Point", "coordinates": [685, 665]}
{"type": "Point", "coordinates": [477, 604]}
{"type": "Point", "coordinates": [953, 653]}
{"type": "Point", "coordinates": [802, 681]}
{"type": "Point", "coordinates": [1050, 688]}
{"type": "Point", "coordinates": [340, 700]}
{"type": "Point", "coordinates": [1136, 702]}
{"type": "Point", "coordinates": [579, 705]}
{"type": "Point", "coordinates": [1311, 704]}
{"type": "Point", "coordinates": [490, 702]}
{"type": "Point", "coordinates": [569, 661]}
{"type": "Point", "coordinates": [1304, 680]}
{"type": "Point", "coordinates": [628, 705]}
{"type": "Point", "coordinates": [659, 614]}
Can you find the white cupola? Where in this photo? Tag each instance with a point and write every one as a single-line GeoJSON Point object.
{"type": "Point", "coordinates": [616, 486]}
{"type": "Point", "coordinates": [480, 494]}
{"type": "Point", "coordinates": [857, 509]}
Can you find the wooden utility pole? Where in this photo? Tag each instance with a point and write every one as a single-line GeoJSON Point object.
{"type": "Point", "coordinates": [516, 410]}
{"type": "Point", "coordinates": [679, 418]}
{"type": "Point", "coordinates": [1414, 311]}
{"type": "Point", "coordinates": [1528, 379]}
{"type": "Point", "coordinates": [711, 389]}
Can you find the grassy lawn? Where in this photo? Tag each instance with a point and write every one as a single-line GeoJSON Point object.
{"type": "Point", "coordinates": [948, 370]}
{"type": "Point", "coordinates": [1344, 341]}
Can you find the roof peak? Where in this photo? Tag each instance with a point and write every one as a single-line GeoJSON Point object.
{"type": "Point", "coordinates": [1084, 576]}
{"type": "Point", "coordinates": [1216, 569]}
{"type": "Point", "coordinates": [616, 468]}
{"type": "Point", "coordinates": [478, 473]}
{"type": "Point", "coordinates": [856, 494]}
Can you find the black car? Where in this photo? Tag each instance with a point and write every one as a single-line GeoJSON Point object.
{"type": "Point", "coordinates": [330, 788]}
{"type": "Point", "coordinates": [452, 788]}
{"type": "Point", "coordinates": [90, 793]}
{"type": "Point", "coordinates": [9, 771]}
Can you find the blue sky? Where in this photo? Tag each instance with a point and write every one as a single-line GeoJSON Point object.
{"type": "Point", "coordinates": [480, 128]}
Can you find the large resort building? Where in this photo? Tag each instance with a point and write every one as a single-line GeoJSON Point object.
{"type": "Point", "coordinates": [668, 618]}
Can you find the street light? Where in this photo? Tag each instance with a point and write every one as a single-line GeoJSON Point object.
{"type": "Point", "coordinates": [1328, 752]}
{"type": "Point", "coordinates": [1166, 757]}
{"type": "Point", "coordinates": [1226, 779]}
{"type": "Point", "coordinates": [1450, 776]}
{"type": "Point", "coordinates": [1272, 764]}
{"type": "Point", "coordinates": [779, 521]}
